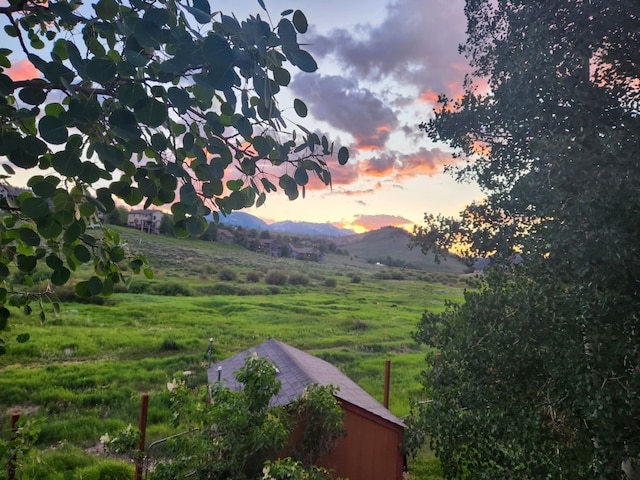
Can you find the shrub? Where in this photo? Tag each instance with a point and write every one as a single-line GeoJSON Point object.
{"type": "Point", "coordinates": [356, 279]}
{"type": "Point", "coordinates": [298, 279]}
{"type": "Point", "coordinates": [227, 274]}
{"type": "Point", "coordinates": [254, 276]}
{"type": "Point", "coordinates": [171, 289]}
{"type": "Point", "coordinates": [276, 277]}
{"type": "Point", "coordinates": [330, 282]}
{"type": "Point", "coordinates": [273, 290]}
{"type": "Point", "coordinates": [169, 345]}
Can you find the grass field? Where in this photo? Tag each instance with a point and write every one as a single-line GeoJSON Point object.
{"type": "Point", "coordinates": [81, 373]}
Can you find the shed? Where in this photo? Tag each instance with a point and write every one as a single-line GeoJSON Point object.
{"type": "Point", "coordinates": [371, 448]}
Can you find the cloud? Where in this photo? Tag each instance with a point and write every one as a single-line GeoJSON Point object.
{"type": "Point", "coordinates": [23, 70]}
{"type": "Point", "coordinates": [415, 44]}
{"type": "Point", "coordinates": [343, 104]}
{"type": "Point", "coordinates": [373, 222]}
{"type": "Point", "coordinates": [401, 166]}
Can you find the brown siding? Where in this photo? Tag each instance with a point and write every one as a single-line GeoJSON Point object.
{"type": "Point", "coordinates": [369, 451]}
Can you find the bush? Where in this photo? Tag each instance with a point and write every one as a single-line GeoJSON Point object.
{"type": "Point", "coordinates": [171, 289]}
{"type": "Point", "coordinates": [331, 282]}
{"type": "Point", "coordinates": [169, 345]}
{"type": "Point", "coordinates": [254, 276]}
{"type": "Point", "coordinates": [226, 274]}
{"type": "Point", "coordinates": [356, 279]}
{"type": "Point", "coordinates": [298, 279]}
{"type": "Point", "coordinates": [276, 277]}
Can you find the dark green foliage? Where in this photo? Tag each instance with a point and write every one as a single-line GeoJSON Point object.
{"type": "Point", "coordinates": [331, 282]}
{"type": "Point", "coordinates": [253, 276]}
{"type": "Point", "coordinates": [227, 274]}
{"type": "Point", "coordinates": [142, 104]}
{"type": "Point", "coordinates": [296, 278]}
{"type": "Point", "coordinates": [245, 430]}
{"type": "Point", "coordinates": [537, 373]}
{"type": "Point", "coordinates": [276, 277]}
{"type": "Point", "coordinates": [169, 345]}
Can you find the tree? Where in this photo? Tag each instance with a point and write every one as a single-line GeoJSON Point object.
{"type": "Point", "coordinates": [239, 432]}
{"type": "Point", "coordinates": [536, 374]}
{"type": "Point", "coordinates": [118, 216]}
{"type": "Point", "coordinates": [150, 102]}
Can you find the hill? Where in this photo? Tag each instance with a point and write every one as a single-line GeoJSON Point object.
{"type": "Point", "coordinates": [390, 243]}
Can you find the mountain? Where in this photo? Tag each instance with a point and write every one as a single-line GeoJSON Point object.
{"type": "Point", "coordinates": [391, 245]}
{"type": "Point", "coordinates": [246, 220]}
{"type": "Point", "coordinates": [309, 228]}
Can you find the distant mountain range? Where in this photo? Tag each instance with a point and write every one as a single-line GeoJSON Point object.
{"type": "Point", "coordinates": [246, 220]}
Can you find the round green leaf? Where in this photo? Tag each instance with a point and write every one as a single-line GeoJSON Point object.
{"type": "Point", "coordinates": [196, 226]}
{"type": "Point", "coordinates": [27, 263]}
{"type": "Point", "coordinates": [23, 159]}
{"type": "Point", "coordinates": [300, 107]}
{"type": "Point", "coordinates": [23, 338]}
{"type": "Point", "coordinates": [151, 112]}
{"type": "Point", "coordinates": [82, 253]}
{"type": "Point", "coordinates": [6, 85]}
{"type": "Point", "coordinates": [44, 189]}
{"type": "Point", "coordinates": [52, 130]}
{"type": "Point", "coordinates": [101, 70]}
{"type": "Point", "coordinates": [35, 208]}
{"type": "Point", "coordinates": [54, 262]}
{"type": "Point", "coordinates": [106, 9]}
{"type": "Point", "coordinates": [179, 99]}
{"type": "Point", "coordinates": [131, 93]}
{"type": "Point", "coordinates": [61, 276]}
{"type": "Point", "coordinates": [343, 155]}
{"type": "Point", "coordinates": [303, 60]}
{"type": "Point", "coordinates": [29, 237]}
{"type": "Point", "coordinates": [32, 95]}
{"type": "Point", "coordinates": [95, 286]}
{"type": "Point", "coordinates": [301, 176]}
{"type": "Point", "coordinates": [66, 163]}
{"type": "Point", "coordinates": [50, 227]}
{"type": "Point", "coordinates": [300, 21]}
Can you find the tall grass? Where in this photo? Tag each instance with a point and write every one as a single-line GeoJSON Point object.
{"type": "Point", "coordinates": [82, 373]}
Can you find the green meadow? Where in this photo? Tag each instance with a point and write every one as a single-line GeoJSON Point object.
{"type": "Point", "coordinates": [82, 372]}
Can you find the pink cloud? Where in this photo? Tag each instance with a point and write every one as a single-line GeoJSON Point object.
{"type": "Point", "coordinates": [373, 222]}
{"type": "Point", "coordinates": [23, 70]}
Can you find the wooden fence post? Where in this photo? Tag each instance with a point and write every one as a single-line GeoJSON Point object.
{"type": "Point", "coordinates": [142, 427]}
{"type": "Point", "coordinates": [11, 466]}
{"type": "Point", "coordinates": [387, 374]}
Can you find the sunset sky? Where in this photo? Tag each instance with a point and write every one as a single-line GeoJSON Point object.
{"type": "Point", "coordinates": [382, 64]}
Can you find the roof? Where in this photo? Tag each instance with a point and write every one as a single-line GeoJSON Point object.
{"type": "Point", "coordinates": [297, 370]}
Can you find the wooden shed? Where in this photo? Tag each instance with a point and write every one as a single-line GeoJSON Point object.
{"type": "Point", "coordinates": [371, 448]}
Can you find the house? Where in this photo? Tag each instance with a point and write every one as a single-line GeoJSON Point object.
{"type": "Point", "coordinates": [306, 253]}
{"type": "Point", "coordinates": [145, 220]}
{"type": "Point", "coordinates": [371, 448]}
{"type": "Point", "coordinates": [270, 247]}
{"type": "Point", "coordinates": [10, 194]}
{"type": "Point", "coordinates": [225, 236]}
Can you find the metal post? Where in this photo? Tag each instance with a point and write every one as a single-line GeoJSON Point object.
{"type": "Point", "coordinates": [210, 351]}
{"type": "Point", "coordinates": [142, 427]}
{"type": "Point", "coordinates": [387, 374]}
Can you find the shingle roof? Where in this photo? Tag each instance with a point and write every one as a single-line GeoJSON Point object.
{"type": "Point", "coordinates": [296, 370]}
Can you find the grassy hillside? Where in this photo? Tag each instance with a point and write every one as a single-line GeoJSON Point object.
{"type": "Point", "coordinates": [81, 373]}
{"type": "Point", "coordinates": [393, 243]}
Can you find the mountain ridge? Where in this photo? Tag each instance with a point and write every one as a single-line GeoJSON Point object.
{"type": "Point", "coordinates": [246, 220]}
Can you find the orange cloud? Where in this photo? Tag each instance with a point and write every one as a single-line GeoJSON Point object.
{"type": "Point", "coordinates": [23, 70]}
{"type": "Point", "coordinates": [373, 222]}
{"type": "Point", "coordinates": [428, 96]}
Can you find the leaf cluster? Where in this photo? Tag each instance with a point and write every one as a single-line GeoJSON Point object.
{"type": "Point", "coordinates": [151, 103]}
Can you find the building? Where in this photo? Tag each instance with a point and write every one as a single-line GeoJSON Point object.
{"type": "Point", "coordinates": [145, 220]}
{"type": "Point", "coordinates": [371, 448]}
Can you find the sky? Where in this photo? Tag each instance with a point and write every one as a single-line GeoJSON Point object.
{"type": "Point", "coordinates": [382, 64]}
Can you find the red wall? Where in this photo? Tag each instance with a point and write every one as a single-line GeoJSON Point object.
{"type": "Point", "coordinates": [369, 451]}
